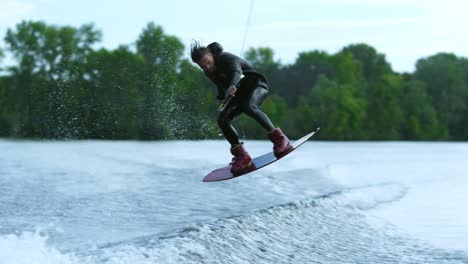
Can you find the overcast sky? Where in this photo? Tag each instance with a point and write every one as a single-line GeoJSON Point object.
{"type": "Point", "coordinates": [404, 30]}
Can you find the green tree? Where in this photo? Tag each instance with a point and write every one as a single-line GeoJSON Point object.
{"type": "Point", "coordinates": [1, 58]}
{"type": "Point", "coordinates": [302, 75]}
{"type": "Point", "coordinates": [383, 113]}
{"type": "Point", "coordinates": [4, 125]}
{"type": "Point", "coordinates": [381, 89]}
{"type": "Point", "coordinates": [112, 94]}
{"type": "Point", "coordinates": [60, 87]}
{"type": "Point", "coordinates": [446, 82]}
{"type": "Point", "coordinates": [326, 74]}
{"type": "Point", "coordinates": [373, 64]}
{"type": "Point", "coordinates": [420, 121]}
{"type": "Point", "coordinates": [262, 60]}
{"type": "Point", "coordinates": [161, 55]}
{"type": "Point", "coordinates": [50, 59]}
{"type": "Point", "coordinates": [334, 107]}
{"type": "Point", "coordinates": [194, 105]}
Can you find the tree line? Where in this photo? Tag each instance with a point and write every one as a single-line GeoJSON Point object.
{"type": "Point", "coordinates": [62, 87]}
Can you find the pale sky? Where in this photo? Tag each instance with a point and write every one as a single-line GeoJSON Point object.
{"type": "Point", "coordinates": [404, 30]}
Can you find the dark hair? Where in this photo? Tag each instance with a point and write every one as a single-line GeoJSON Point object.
{"type": "Point", "coordinates": [197, 51]}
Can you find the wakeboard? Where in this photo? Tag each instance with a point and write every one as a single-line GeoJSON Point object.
{"type": "Point", "coordinates": [225, 173]}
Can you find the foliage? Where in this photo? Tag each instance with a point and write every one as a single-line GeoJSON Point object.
{"type": "Point", "coordinates": [62, 86]}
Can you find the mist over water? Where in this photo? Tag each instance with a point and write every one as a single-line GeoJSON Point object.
{"type": "Point", "coordinates": [144, 202]}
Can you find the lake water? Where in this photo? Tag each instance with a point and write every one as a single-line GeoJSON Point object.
{"type": "Point", "coordinates": [145, 202]}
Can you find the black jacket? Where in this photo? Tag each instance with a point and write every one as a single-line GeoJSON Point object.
{"type": "Point", "coordinates": [229, 70]}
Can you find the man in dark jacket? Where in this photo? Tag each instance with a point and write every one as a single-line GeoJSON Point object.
{"type": "Point", "coordinates": [241, 90]}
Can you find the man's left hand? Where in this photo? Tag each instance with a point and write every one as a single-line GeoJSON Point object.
{"type": "Point", "coordinates": [231, 91]}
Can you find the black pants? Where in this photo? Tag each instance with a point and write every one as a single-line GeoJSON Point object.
{"type": "Point", "coordinates": [248, 105]}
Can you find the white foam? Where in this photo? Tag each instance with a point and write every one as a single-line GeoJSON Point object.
{"type": "Point", "coordinates": [30, 248]}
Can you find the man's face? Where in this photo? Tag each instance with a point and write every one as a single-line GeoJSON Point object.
{"type": "Point", "coordinates": [207, 63]}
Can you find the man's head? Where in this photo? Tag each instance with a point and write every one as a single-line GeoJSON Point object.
{"type": "Point", "coordinates": [203, 57]}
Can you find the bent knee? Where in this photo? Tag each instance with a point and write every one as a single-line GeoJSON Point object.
{"type": "Point", "coordinates": [252, 109]}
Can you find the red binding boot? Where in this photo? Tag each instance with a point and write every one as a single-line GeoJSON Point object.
{"type": "Point", "coordinates": [280, 141]}
{"type": "Point", "coordinates": [241, 160]}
